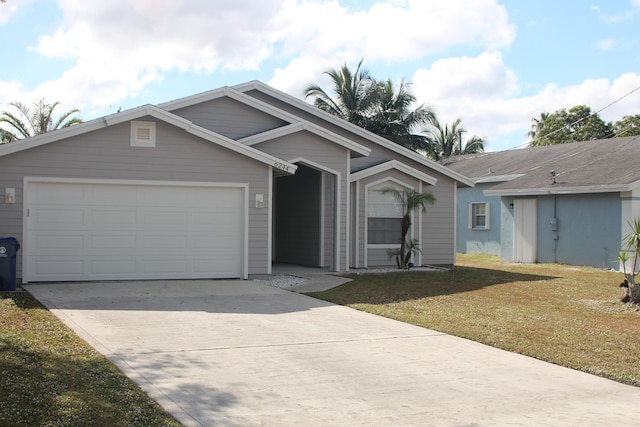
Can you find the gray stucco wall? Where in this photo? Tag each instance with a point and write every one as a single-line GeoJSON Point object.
{"type": "Point", "coordinates": [477, 241]}
{"type": "Point", "coordinates": [107, 154]}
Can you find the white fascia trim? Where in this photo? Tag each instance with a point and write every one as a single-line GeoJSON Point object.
{"type": "Point", "coordinates": [314, 165]}
{"type": "Point", "coordinates": [96, 124]}
{"type": "Point", "coordinates": [393, 164]}
{"type": "Point", "coordinates": [347, 222]}
{"type": "Point", "coordinates": [271, 134]}
{"type": "Point", "coordinates": [309, 127]}
{"type": "Point", "coordinates": [157, 113]}
{"type": "Point", "coordinates": [46, 138]}
{"type": "Point", "coordinates": [497, 178]}
{"type": "Point", "coordinates": [139, 182]}
{"type": "Point", "coordinates": [614, 188]}
{"type": "Point", "coordinates": [250, 152]}
{"type": "Point", "coordinates": [284, 97]}
{"type": "Point", "coordinates": [634, 185]}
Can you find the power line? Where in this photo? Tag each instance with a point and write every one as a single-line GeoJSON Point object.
{"type": "Point", "coordinates": [579, 120]}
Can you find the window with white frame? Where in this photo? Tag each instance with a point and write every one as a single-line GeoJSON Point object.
{"type": "Point", "coordinates": [384, 216]}
{"type": "Point", "coordinates": [479, 216]}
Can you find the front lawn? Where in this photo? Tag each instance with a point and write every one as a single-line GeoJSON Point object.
{"type": "Point", "coordinates": [50, 377]}
{"type": "Point", "coordinates": [567, 315]}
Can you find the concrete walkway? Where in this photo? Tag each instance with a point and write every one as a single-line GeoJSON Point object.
{"type": "Point", "coordinates": [240, 353]}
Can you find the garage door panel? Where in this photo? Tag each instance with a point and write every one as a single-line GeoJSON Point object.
{"type": "Point", "coordinates": [59, 217]}
{"type": "Point", "coordinates": [170, 243]}
{"type": "Point", "coordinates": [59, 269]}
{"type": "Point", "coordinates": [114, 217]}
{"type": "Point", "coordinates": [152, 218]}
{"type": "Point", "coordinates": [55, 243]}
{"type": "Point", "coordinates": [164, 267]}
{"type": "Point", "coordinates": [107, 195]}
{"type": "Point", "coordinates": [111, 268]}
{"type": "Point", "coordinates": [114, 232]}
{"type": "Point", "coordinates": [56, 194]}
{"type": "Point", "coordinates": [123, 243]}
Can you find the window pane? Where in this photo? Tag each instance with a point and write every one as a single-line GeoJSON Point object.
{"type": "Point", "coordinates": [479, 215]}
{"type": "Point", "coordinates": [384, 230]}
{"type": "Point", "coordinates": [383, 205]}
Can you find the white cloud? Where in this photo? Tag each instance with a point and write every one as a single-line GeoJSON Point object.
{"type": "Point", "coordinates": [620, 17]}
{"type": "Point", "coordinates": [394, 30]}
{"type": "Point", "coordinates": [9, 8]}
{"type": "Point", "coordinates": [606, 44]}
{"type": "Point", "coordinates": [299, 73]}
{"type": "Point", "coordinates": [483, 92]}
{"type": "Point", "coordinates": [120, 45]}
{"type": "Point", "coordinates": [10, 91]}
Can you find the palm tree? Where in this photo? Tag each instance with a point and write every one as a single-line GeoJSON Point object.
{"type": "Point", "coordinates": [537, 125]}
{"type": "Point", "coordinates": [380, 107]}
{"type": "Point", "coordinates": [355, 94]}
{"type": "Point", "coordinates": [446, 141]}
{"type": "Point", "coordinates": [394, 118]}
{"type": "Point", "coordinates": [410, 200]}
{"type": "Point", "coordinates": [31, 122]}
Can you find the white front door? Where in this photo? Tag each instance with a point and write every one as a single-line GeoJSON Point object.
{"type": "Point", "coordinates": [79, 231]}
{"type": "Point", "coordinates": [525, 242]}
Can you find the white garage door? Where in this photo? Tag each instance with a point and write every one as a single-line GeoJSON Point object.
{"type": "Point", "coordinates": [113, 231]}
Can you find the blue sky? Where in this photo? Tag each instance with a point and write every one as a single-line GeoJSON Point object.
{"type": "Point", "coordinates": [494, 64]}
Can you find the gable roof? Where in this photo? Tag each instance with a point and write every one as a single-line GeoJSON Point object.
{"type": "Point", "coordinates": [309, 127]}
{"type": "Point", "coordinates": [392, 164]}
{"type": "Point", "coordinates": [604, 165]}
{"type": "Point", "coordinates": [147, 111]}
{"type": "Point", "coordinates": [305, 106]}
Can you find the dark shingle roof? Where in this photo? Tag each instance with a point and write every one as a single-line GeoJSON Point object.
{"type": "Point", "coordinates": [581, 167]}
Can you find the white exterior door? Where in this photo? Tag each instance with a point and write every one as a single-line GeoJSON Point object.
{"type": "Point", "coordinates": [525, 242]}
{"type": "Point", "coordinates": [118, 231]}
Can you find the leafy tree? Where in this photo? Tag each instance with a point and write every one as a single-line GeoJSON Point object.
{"type": "Point", "coordinates": [561, 127]}
{"type": "Point", "coordinates": [446, 141]}
{"type": "Point", "coordinates": [383, 108]}
{"type": "Point", "coordinates": [628, 126]}
{"type": "Point", "coordinates": [26, 122]}
{"type": "Point", "coordinates": [410, 200]}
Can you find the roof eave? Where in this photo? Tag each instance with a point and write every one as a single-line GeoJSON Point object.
{"type": "Point", "coordinates": [393, 164]}
{"type": "Point", "coordinates": [612, 188]}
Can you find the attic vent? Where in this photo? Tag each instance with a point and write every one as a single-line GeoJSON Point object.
{"type": "Point", "coordinates": [143, 134]}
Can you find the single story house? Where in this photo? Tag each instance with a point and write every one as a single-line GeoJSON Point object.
{"type": "Point", "coordinates": [568, 203]}
{"type": "Point", "coordinates": [217, 185]}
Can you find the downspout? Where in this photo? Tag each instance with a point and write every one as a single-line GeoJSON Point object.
{"type": "Point", "coordinates": [554, 229]}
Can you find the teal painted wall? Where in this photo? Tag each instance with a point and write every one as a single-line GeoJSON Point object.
{"type": "Point", "coordinates": [477, 241]}
{"type": "Point", "coordinates": [588, 229]}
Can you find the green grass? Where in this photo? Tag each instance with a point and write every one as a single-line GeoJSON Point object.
{"type": "Point", "coordinates": [50, 377]}
{"type": "Point", "coordinates": [570, 316]}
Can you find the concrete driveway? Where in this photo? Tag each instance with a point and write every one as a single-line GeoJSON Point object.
{"type": "Point", "coordinates": [241, 353]}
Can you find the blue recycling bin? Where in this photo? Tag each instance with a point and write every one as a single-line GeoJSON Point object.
{"type": "Point", "coordinates": [9, 247]}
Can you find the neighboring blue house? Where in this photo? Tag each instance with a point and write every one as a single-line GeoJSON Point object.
{"type": "Point", "coordinates": [567, 203]}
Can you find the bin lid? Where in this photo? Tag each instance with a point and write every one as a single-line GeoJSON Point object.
{"type": "Point", "coordinates": [8, 246]}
